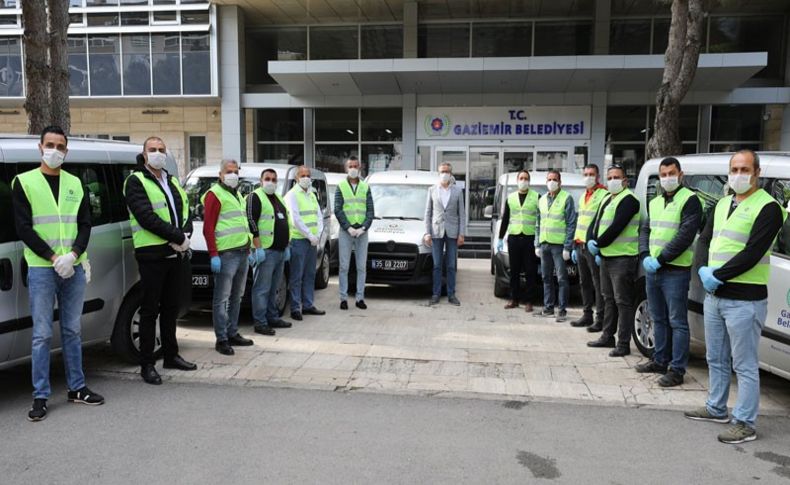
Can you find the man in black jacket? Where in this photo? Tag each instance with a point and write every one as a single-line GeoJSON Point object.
{"type": "Point", "coordinates": [160, 223]}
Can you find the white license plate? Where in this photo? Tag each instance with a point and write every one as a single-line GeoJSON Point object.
{"type": "Point", "coordinates": [389, 264]}
{"type": "Point", "coordinates": [200, 280]}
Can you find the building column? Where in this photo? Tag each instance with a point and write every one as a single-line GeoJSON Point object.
{"type": "Point", "coordinates": [784, 142]}
{"type": "Point", "coordinates": [703, 137]}
{"type": "Point", "coordinates": [232, 82]}
{"type": "Point", "coordinates": [410, 30]}
{"type": "Point", "coordinates": [309, 140]}
{"type": "Point", "coordinates": [603, 14]}
{"type": "Point", "coordinates": [598, 130]}
{"type": "Point", "coordinates": [409, 153]}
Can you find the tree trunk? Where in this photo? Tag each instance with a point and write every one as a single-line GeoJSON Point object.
{"type": "Point", "coordinates": [59, 62]}
{"type": "Point", "coordinates": [680, 65]}
{"type": "Point", "coordinates": [34, 15]}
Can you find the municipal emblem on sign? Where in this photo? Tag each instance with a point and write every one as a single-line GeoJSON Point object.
{"type": "Point", "coordinates": [437, 125]}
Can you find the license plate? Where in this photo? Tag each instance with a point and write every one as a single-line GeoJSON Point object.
{"type": "Point", "coordinates": [200, 280]}
{"type": "Point", "coordinates": [389, 264]}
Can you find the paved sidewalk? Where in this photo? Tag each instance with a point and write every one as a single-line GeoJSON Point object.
{"type": "Point", "coordinates": [401, 345]}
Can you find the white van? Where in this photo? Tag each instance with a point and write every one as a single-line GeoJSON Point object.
{"type": "Point", "coordinates": [332, 180]}
{"type": "Point", "coordinates": [202, 178]}
{"type": "Point", "coordinates": [112, 298]}
{"type": "Point", "coordinates": [573, 183]}
{"type": "Point", "coordinates": [706, 174]}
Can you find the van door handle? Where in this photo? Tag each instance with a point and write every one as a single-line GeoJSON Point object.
{"type": "Point", "coordinates": [6, 274]}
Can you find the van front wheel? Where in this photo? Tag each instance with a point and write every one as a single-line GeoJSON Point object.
{"type": "Point", "coordinates": [643, 324]}
{"type": "Point", "coordinates": [125, 338]}
{"type": "Point", "coordinates": [322, 274]}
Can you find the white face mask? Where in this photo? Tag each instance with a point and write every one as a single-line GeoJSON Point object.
{"type": "Point", "coordinates": [589, 181]}
{"type": "Point", "coordinates": [740, 183]}
{"type": "Point", "coordinates": [157, 160]}
{"type": "Point", "coordinates": [444, 177]}
{"type": "Point", "coordinates": [269, 187]}
{"type": "Point", "coordinates": [615, 186]}
{"type": "Point", "coordinates": [353, 173]}
{"type": "Point", "coordinates": [305, 182]}
{"type": "Point", "coordinates": [523, 185]}
{"type": "Point", "coordinates": [552, 185]}
{"type": "Point", "coordinates": [670, 184]}
{"type": "Point", "coordinates": [231, 180]}
{"type": "Point", "coordinates": [53, 158]}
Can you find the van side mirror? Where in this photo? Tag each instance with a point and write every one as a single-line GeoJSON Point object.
{"type": "Point", "coordinates": [488, 212]}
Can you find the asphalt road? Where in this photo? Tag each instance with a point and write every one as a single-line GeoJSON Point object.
{"type": "Point", "coordinates": [180, 433]}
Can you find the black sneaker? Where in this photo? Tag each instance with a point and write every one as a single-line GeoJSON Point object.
{"type": "Point", "coordinates": [544, 313]}
{"type": "Point", "coordinates": [38, 412]}
{"type": "Point", "coordinates": [671, 379]}
{"type": "Point", "coordinates": [562, 316]}
{"type": "Point", "coordinates": [361, 305]}
{"type": "Point", "coordinates": [86, 396]}
{"type": "Point", "coordinates": [264, 330]}
{"type": "Point", "coordinates": [650, 367]}
{"type": "Point", "coordinates": [584, 321]}
{"type": "Point", "coordinates": [239, 341]}
{"type": "Point", "coordinates": [344, 305]}
{"type": "Point", "coordinates": [296, 316]}
{"type": "Point", "coordinates": [434, 300]}
{"type": "Point", "coordinates": [313, 311]}
{"type": "Point", "coordinates": [454, 301]}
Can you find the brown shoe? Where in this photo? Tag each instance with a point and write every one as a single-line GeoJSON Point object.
{"type": "Point", "coordinates": [528, 307]}
{"type": "Point", "coordinates": [511, 304]}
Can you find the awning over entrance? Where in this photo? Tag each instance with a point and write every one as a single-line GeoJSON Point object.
{"type": "Point", "coordinates": [716, 72]}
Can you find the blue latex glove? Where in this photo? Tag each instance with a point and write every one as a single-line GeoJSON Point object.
{"type": "Point", "coordinates": [598, 261]}
{"type": "Point", "coordinates": [287, 254]}
{"type": "Point", "coordinates": [260, 255]}
{"type": "Point", "coordinates": [216, 264]}
{"type": "Point", "coordinates": [251, 260]}
{"type": "Point", "coordinates": [651, 264]}
{"type": "Point", "coordinates": [500, 245]}
{"type": "Point", "coordinates": [710, 282]}
{"type": "Point", "coordinates": [574, 257]}
{"type": "Point", "coordinates": [592, 246]}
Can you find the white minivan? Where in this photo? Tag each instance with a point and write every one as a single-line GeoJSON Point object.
{"type": "Point", "coordinates": [706, 174]}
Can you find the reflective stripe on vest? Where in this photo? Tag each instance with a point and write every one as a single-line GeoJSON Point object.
{"type": "Point", "coordinates": [664, 224]}
{"type": "Point", "coordinates": [587, 211]}
{"type": "Point", "coordinates": [266, 219]}
{"type": "Point", "coordinates": [53, 221]}
{"type": "Point", "coordinates": [627, 242]}
{"type": "Point", "coordinates": [232, 231]}
{"type": "Point", "coordinates": [354, 205]}
{"type": "Point", "coordinates": [307, 203]}
{"type": "Point", "coordinates": [156, 196]}
{"type": "Point", "coordinates": [730, 235]}
{"type": "Point", "coordinates": [552, 219]}
{"type": "Point", "coordinates": [523, 218]}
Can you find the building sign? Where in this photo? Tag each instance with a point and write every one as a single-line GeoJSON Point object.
{"type": "Point", "coordinates": [504, 123]}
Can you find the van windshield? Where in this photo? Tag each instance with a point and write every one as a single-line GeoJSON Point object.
{"type": "Point", "coordinates": [398, 201]}
{"type": "Point", "coordinates": [195, 187]}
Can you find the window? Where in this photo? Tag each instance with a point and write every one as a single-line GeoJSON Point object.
{"type": "Point", "coordinates": [780, 190]}
{"type": "Point", "coordinates": [736, 127]}
{"type": "Point", "coordinates": [196, 64]}
{"type": "Point", "coordinates": [443, 40]}
{"type": "Point", "coordinates": [380, 157]}
{"type": "Point", "coordinates": [9, 21]}
{"type": "Point", "coordinates": [165, 18]}
{"type": "Point", "coordinates": [336, 124]}
{"type": "Point", "coordinates": [134, 2]}
{"type": "Point", "coordinates": [334, 43]}
{"type": "Point", "coordinates": [280, 136]}
{"type": "Point", "coordinates": [660, 35]}
{"type": "Point", "coordinates": [331, 158]}
{"type": "Point", "coordinates": [287, 153]}
{"type": "Point", "coordinates": [101, 3]}
{"type": "Point", "coordinates": [197, 151]}
{"type": "Point", "coordinates": [563, 38]}
{"type": "Point", "coordinates": [95, 183]}
{"type": "Point", "coordinates": [382, 124]}
{"type": "Point", "coordinates": [78, 66]}
{"type": "Point", "coordinates": [134, 18]}
{"type": "Point", "coordinates": [626, 123]}
{"type": "Point", "coordinates": [102, 19]}
{"type": "Point", "coordinates": [502, 39]}
{"type": "Point", "coordinates": [381, 41]}
{"type": "Point", "coordinates": [76, 19]}
{"type": "Point", "coordinates": [688, 122]}
{"type": "Point", "coordinates": [118, 174]}
{"type": "Point", "coordinates": [751, 34]}
{"type": "Point", "coordinates": [10, 67]}
{"type": "Point", "coordinates": [105, 78]}
{"type": "Point", "coordinates": [165, 60]}
{"type": "Point", "coordinates": [279, 44]}
{"type": "Point", "coordinates": [136, 64]}
{"type": "Point", "coordinates": [709, 188]}
{"type": "Point", "coordinates": [189, 17]}
{"type": "Point", "coordinates": [629, 37]}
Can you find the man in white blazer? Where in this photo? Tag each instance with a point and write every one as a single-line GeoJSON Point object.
{"type": "Point", "coordinates": [445, 228]}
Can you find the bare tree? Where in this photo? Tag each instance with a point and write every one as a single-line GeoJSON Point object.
{"type": "Point", "coordinates": [34, 15]}
{"type": "Point", "coordinates": [59, 63]}
{"type": "Point", "coordinates": [680, 65]}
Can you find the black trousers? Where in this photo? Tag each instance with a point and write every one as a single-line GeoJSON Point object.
{"type": "Point", "coordinates": [521, 250]}
{"type": "Point", "coordinates": [618, 275]}
{"type": "Point", "coordinates": [590, 282]}
{"type": "Point", "coordinates": [161, 281]}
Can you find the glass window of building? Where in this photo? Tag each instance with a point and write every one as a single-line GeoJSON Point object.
{"type": "Point", "coordinates": [164, 2]}
{"type": "Point", "coordinates": [11, 65]}
{"type": "Point", "coordinates": [134, 18]}
{"type": "Point", "coordinates": [381, 41]}
{"type": "Point", "coordinates": [136, 64]}
{"type": "Point", "coordinates": [196, 63]}
{"type": "Point", "coordinates": [336, 124]}
{"type": "Point", "coordinates": [76, 19]}
{"type": "Point", "coordinates": [101, 3]}
{"type": "Point", "coordinates": [332, 158]}
{"type": "Point", "coordinates": [197, 151]}
{"type": "Point", "coordinates": [733, 127]}
{"type": "Point", "coordinates": [190, 17]}
{"type": "Point", "coordinates": [78, 66]}
{"type": "Point", "coordinates": [334, 42]}
{"type": "Point", "coordinates": [382, 124]}
{"type": "Point", "coordinates": [443, 40]}
{"type": "Point", "coordinates": [276, 44]}
{"type": "Point", "coordinates": [133, 2]}
{"type": "Point", "coordinates": [502, 39]}
{"type": "Point", "coordinates": [750, 34]}
{"type": "Point", "coordinates": [563, 38]}
{"type": "Point", "coordinates": [165, 61]}
{"type": "Point", "coordinates": [627, 37]}
{"type": "Point", "coordinates": [689, 116]}
{"type": "Point", "coordinates": [380, 157]}
{"type": "Point", "coordinates": [102, 19]}
{"type": "Point", "coordinates": [165, 17]}
{"type": "Point", "coordinates": [279, 125]}
{"type": "Point", "coordinates": [9, 20]}
{"type": "Point", "coordinates": [105, 70]}
{"type": "Point", "coordinates": [289, 153]}
{"type": "Point", "coordinates": [660, 35]}
{"type": "Point", "coordinates": [626, 123]}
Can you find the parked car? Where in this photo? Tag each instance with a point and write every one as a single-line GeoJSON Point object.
{"type": "Point", "coordinates": [332, 180]}
{"type": "Point", "coordinates": [202, 178]}
{"type": "Point", "coordinates": [500, 261]}
{"type": "Point", "coordinates": [706, 174]}
{"type": "Point", "coordinates": [113, 297]}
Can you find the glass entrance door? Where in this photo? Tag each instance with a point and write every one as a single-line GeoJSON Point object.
{"type": "Point", "coordinates": [483, 169]}
{"type": "Point", "coordinates": [518, 158]}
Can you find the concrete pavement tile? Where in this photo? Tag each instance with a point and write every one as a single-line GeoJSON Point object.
{"type": "Point", "coordinates": [331, 361]}
{"type": "Point", "coordinates": [495, 356]}
{"type": "Point", "coordinates": [559, 390]}
{"type": "Point", "coordinates": [534, 372]}
{"type": "Point", "coordinates": [487, 385]}
{"type": "Point", "coordinates": [565, 374]}
{"type": "Point", "coordinates": [259, 373]}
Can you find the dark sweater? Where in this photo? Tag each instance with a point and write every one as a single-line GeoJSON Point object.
{"type": "Point", "coordinates": [626, 210]}
{"type": "Point", "coordinates": [281, 228]}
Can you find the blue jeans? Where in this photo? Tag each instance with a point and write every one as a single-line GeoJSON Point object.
{"type": "Point", "coordinates": [45, 286]}
{"type": "Point", "coordinates": [228, 289]}
{"type": "Point", "coordinates": [438, 252]}
{"type": "Point", "coordinates": [266, 279]}
{"type": "Point", "coordinates": [302, 274]}
{"type": "Point", "coordinates": [360, 246]}
{"type": "Point", "coordinates": [732, 331]}
{"type": "Point", "coordinates": [551, 259]}
{"type": "Point", "coordinates": [667, 298]}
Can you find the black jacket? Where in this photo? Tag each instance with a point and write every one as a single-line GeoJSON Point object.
{"type": "Point", "coordinates": [139, 205]}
